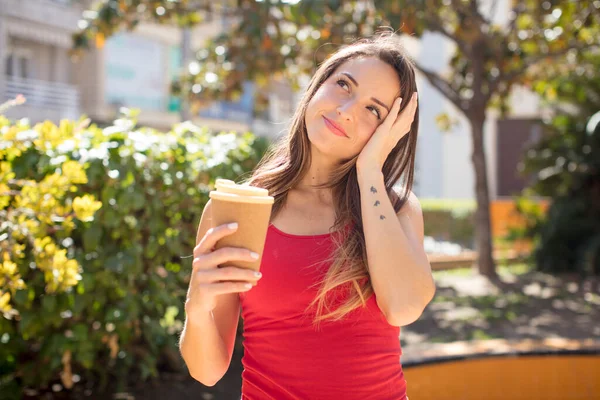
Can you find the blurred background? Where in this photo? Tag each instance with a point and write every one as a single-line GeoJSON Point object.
{"type": "Point", "coordinates": [117, 116]}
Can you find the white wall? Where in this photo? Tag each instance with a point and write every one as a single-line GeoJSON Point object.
{"type": "Point", "coordinates": [457, 170]}
{"type": "Point", "coordinates": [429, 52]}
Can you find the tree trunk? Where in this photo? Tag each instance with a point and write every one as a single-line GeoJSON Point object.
{"type": "Point", "coordinates": [483, 236]}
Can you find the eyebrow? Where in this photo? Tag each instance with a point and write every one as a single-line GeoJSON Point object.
{"type": "Point", "coordinates": [372, 98]}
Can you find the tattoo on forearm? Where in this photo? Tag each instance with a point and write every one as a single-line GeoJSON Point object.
{"type": "Point", "coordinates": [373, 190]}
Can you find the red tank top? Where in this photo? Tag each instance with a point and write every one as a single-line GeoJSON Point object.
{"type": "Point", "coordinates": [286, 358]}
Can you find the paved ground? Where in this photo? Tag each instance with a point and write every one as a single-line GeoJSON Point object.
{"type": "Point", "coordinates": [529, 305]}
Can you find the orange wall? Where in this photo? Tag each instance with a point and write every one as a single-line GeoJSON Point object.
{"type": "Point", "coordinates": [504, 215]}
{"type": "Point", "coordinates": [564, 377]}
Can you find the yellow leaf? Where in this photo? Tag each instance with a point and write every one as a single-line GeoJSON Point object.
{"type": "Point", "coordinates": [11, 133]}
{"type": "Point", "coordinates": [8, 268]}
{"type": "Point", "coordinates": [551, 93]}
{"type": "Point", "coordinates": [74, 172]}
{"type": "Point", "coordinates": [85, 207]}
{"type": "Point", "coordinates": [4, 299]}
{"type": "Point", "coordinates": [4, 197]}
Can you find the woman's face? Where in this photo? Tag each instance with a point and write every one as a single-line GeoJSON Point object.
{"type": "Point", "coordinates": [349, 106]}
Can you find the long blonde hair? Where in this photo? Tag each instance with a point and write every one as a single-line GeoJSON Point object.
{"type": "Point", "coordinates": [286, 162]}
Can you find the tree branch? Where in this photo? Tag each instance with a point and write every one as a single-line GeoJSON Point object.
{"type": "Point", "coordinates": [517, 9]}
{"type": "Point", "coordinates": [444, 87]}
{"type": "Point", "coordinates": [500, 45]}
{"type": "Point", "coordinates": [472, 10]}
{"type": "Point", "coordinates": [434, 24]}
{"type": "Point", "coordinates": [209, 9]}
{"type": "Point", "coordinates": [527, 63]}
{"type": "Point", "coordinates": [458, 5]}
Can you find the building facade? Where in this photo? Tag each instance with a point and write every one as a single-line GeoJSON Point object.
{"type": "Point", "coordinates": [132, 69]}
{"type": "Point", "coordinates": [35, 36]}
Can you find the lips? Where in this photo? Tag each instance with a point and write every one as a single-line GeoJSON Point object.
{"type": "Point", "coordinates": [334, 128]}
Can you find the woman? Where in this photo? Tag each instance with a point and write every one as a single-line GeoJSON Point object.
{"type": "Point", "coordinates": [343, 264]}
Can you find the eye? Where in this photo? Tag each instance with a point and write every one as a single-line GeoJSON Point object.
{"type": "Point", "coordinates": [375, 111]}
{"type": "Point", "coordinates": [342, 83]}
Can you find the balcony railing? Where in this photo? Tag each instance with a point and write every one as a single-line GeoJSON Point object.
{"type": "Point", "coordinates": [61, 98]}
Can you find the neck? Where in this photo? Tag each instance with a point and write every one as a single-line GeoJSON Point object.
{"type": "Point", "coordinates": [318, 173]}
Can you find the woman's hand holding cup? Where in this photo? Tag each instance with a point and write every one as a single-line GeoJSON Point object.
{"type": "Point", "coordinates": [211, 276]}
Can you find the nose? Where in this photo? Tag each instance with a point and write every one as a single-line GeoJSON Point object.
{"type": "Point", "coordinates": [344, 110]}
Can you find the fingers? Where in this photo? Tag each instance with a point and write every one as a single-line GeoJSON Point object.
{"type": "Point", "coordinates": [222, 256]}
{"type": "Point", "coordinates": [226, 287]}
{"type": "Point", "coordinates": [409, 111]}
{"type": "Point", "coordinates": [212, 236]}
{"type": "Point", "coordinates": [393, 115]}
{"type": "Point", "coordinates": [406, 118]}
{"type": "Point", "coordinates": [414, 102]}
{"type": "Point", "coordinates": [229, 274]}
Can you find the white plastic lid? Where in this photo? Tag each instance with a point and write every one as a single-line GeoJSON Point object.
{"type": "Point", "coordinates": [227, 186]}
{"type": "Point", "coordinates": [241, 197]}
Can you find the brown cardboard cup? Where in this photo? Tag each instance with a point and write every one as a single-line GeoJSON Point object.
{"type": "Point", "coordinates": [250, 207]}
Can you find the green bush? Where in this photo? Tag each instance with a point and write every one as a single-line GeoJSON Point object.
{"type": "Point", "coordinates": [96, 236]}
{"type": "Point", "coordinates": [450, 220]}
{"type": "Point", "coordinates": [566, 167]}
{"type": "Point", "coordinates": [567, 239]}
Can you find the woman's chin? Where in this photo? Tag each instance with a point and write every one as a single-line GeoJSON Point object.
{"type": "Point", "coordinates": [322, 145]}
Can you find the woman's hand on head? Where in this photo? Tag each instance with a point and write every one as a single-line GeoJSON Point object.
{"type": "Point", "coordinates": [211, 276]}
{"type": "Point", "coordinates": [387, 135]}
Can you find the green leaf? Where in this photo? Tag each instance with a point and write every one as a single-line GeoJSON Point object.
{"type": "Point", "coordinates": [28, 325]}
{"type": "Point", "coordinates": [92, 236]}
{"type": "Point", "coordinates": [49, 303]}
{"type": "Point", "coordinates": [21, 297]}
{"type": "Point", "coordinates": [80, 332]}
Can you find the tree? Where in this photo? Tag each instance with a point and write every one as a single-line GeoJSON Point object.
{"type": "Point", "coordinates": [566, 167]}
{"type": "Point", "coordinates": [272, 39]}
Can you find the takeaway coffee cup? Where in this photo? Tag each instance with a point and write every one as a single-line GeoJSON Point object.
{"type": "Point", "coordinates": [250, 207]}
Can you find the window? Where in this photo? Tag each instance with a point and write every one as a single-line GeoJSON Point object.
{"type": "Point", "coordinates": [24, 67]}
{"type": "Point", "coordinates": [9, 65]}
{"type": "Point", "coordinates": [18, 64]}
